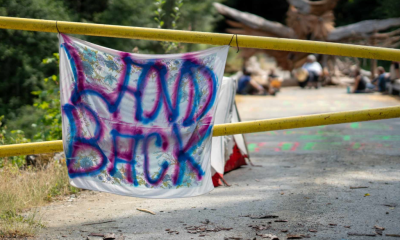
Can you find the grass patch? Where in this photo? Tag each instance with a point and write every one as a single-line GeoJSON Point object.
{"type": "Point", "coordinates": [22, 190]}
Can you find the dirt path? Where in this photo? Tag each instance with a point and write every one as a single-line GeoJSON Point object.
{"type": "Point", "coordinates": [305, 180]}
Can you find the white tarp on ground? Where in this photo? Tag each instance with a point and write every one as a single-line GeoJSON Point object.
{"type": "Point", "coordinates": [222, 147]}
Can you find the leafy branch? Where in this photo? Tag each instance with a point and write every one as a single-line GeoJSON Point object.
{"type": "Point", "coordinates": [175, 15]}
{"type": "Point", "coordinates": [49, 125]}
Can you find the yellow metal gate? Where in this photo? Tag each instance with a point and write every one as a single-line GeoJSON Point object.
{"type": "Point", "coordinates": [243, 41]}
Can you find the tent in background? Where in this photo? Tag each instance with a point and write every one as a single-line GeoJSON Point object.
{"type": "Point", "coordinates": [228, 152]}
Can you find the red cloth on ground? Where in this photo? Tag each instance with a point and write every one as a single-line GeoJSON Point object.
{"type": "Point", "coordinates": [236, 160]}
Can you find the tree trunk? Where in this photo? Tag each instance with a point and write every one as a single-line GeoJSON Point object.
{"type": "Point", "coordinates": [364, 28]}
{"type": "Point", "coordinates": [253, 21]}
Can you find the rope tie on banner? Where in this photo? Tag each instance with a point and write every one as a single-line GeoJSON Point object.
{"type": "Point", "coordinates": [237, 42]}
{"type": "Point", "coordinates": [57, 27]}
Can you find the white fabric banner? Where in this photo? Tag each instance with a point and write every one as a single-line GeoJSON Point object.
{"type": "Point", "coordinates": [139, 125]}
{"type": "Point", "coordinates": [222, 146]}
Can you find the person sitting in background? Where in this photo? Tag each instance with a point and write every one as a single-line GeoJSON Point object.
{"type": "Point", "coordinates": [274, 81]}
{"type": "Point", "coordinates": [381, 80]}
{"type": "Point", "coordinates": [272, 74]}
{"type": "Point", "coordinates": [361, 83]}
{"type": "Point", "coordinates": [314, 70]}
{"type": "Point", "coordinates": [301, 76]}
{"type": "Point", "coordinates": [248, 86]}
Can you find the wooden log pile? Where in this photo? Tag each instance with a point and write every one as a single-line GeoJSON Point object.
{"type": "Point", "coordinates": [309, 20]}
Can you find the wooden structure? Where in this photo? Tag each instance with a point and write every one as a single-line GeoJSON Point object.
{"type": "Point", "coordinates": [309, 21]}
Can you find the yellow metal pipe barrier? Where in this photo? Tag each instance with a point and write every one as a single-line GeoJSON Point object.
{"type": "Point", "coordinates": [305, 121]}
{"type": "Point", "coordinates": [281, 44]}
{"type": "Point", "coordinates": [214, 39]}
{"type": "Point", "coordinates": [238, 128]}
{"type": "Point", "coordinates": [30, 148]}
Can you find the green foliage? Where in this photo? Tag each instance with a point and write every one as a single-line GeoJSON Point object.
{"type": "Point", "coordinates": [85, 11]}
{"type": "Point", "coordinates": [175, 15]}
{"type": "Point", "coordinates": [21, 52]}
{"type": "Point", "coordinates": [22, 190]}
{"type": "Point", "coordinates": [13, 216]}
{"type": "Point", "coordinates": [27, 225]}
{"type": "Point", "coordinates": [11, 137]}
{"type": "Point", "coordinates": [352, 11]}
{"type": "Point", "coordinates": [47, 113]}
{"type": "Point", "coordinates": [48, 126]}
{"type": "Point", "coordinates": [185, 15]}
{"type": "Point", "coordinates": [59, 188]}
{"type": "Point", "coordinates": [159, 12]}
{"type": "Point", "coordinates": [389, 8]}
{"type": "Point", "coordinates": [132, 13]}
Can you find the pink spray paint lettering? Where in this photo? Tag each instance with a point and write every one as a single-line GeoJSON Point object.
{"type": "Point", "coordinates": [134, 123]}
